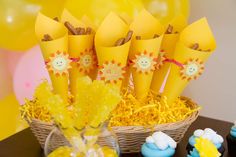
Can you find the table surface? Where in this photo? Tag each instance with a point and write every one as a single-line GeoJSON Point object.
{"type": "Point", "coordinates": [24, 144]}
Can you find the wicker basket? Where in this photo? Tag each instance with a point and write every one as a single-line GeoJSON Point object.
{"type": "Point", "coordinates": [130, 138]}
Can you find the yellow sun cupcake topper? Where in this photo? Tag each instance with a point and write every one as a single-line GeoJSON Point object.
{"type": "Point", "coordinates": [87, 61]}
{"type": "Point", "coordinates": [59, 63]}
{"type": "Point", "coordinates": [111, 72]}
{"type": "Point", "coordinates": [192, 69]}
{"type": "Point", "coordinates": [144, 62]}
{"type": "Point", "coordinates": [206, 148]}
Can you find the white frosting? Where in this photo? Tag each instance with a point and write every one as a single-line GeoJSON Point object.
{"type": "Point", "coordinates": [150, 139]}
{"type": "Point", "coordinates": [198, 133]}
{"type": "Point", "coordinates": [161, 140]}
{"type": "Point", "coordinates": [209, 134]}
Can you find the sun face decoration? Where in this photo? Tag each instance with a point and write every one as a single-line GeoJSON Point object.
{"type": "Point", "coordinates": [87, 61]}
{"type": "Point", "coordinates": [111, 72]}
{"type": "Point", "coordinates": [59, 63]}
{"type": "Point", "coordinates": [192, 69]}
{"type": "Point", "coordinates": [144, 62]}
{"type": "Point", "coordinates": [160, 60]}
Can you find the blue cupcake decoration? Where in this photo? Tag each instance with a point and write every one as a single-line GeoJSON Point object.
{"type": "Point", "coordinates": [158, 145]}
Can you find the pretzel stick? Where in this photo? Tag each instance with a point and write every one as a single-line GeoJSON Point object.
{"type": "Point", "coordinates": [56, 19]}
{"type": "Point", "coordinates": [119, 42]}
{"type": "Point", "coordinates": [82, 31]}
{"type": "Point", "coordinates": [128, 36]}
{"type": "Point", "coordinates": [70, 28]}
{"type": "Point", "coordinates": [169, 29]}
{"type": "Point", "coordinates": [47, 37]}
{"type": "Point", "coordinates": [88, 30]}
{"type": "Point", "coordinates": [195, 46]}
{"type": "Point", "coordinates": [138, 37]}
{"type": "Point", "coordinates": [156, 36]}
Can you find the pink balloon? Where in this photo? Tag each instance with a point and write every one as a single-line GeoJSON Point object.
{"type": "Point", "coordinates": [12, 60]}
{"type": "Point", "coordinates": [29, 73]}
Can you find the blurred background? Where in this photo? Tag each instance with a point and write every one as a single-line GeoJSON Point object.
{"type": "Point", "coordinates": [22, 66]}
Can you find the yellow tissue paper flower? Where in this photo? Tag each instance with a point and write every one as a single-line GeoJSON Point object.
{"type": "Point", "coordinates": [206, 148]}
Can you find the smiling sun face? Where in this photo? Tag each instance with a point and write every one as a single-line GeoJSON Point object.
{"type": "Point", "coordinates": [144, 63]}
{"type": "Point", "coordinates": [87, 61]}
{"type": "Point", "coordinates": [59, 63]}
{"type": "Point", "coordinates": [112, 72]}
{"type": "Point", "coordinates": [192, 69]}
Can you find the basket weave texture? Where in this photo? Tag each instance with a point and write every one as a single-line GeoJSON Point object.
{"type": "Point", "coordinates": [130, 138]}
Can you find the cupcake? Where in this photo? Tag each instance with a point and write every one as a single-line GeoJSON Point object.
{"type": "Point", "coordinates": [158, 145]}
{"type": "Point", "coordinates": [231, 140]}
{"type": "Point", "coordinates": [209, 134]}
{"type": "Point", "coordinates": [204, 147]}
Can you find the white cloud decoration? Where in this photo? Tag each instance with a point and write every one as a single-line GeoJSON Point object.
{"type": "Point", "coordinates": [209, 134]}
{"type": "Point", "coordinates": [161, 140]}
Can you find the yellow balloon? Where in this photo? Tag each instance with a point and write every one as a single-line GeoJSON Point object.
{"type": "Point", "coordinates": [98, 9]}
{"type": "Point", "coordinates": [166, 10]}
{"type": "Point", "coordinates": [10, 121]}
{"type": "Point", "coordinates": [17, 18]}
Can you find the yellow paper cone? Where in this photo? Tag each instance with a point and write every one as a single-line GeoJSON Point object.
{"type": "Point", "coordinates": [112, 59]}
{"type": "Point", "coordinates": [143, 53]}
{"type": "Point", "coordinates": [80, 48]}
{"type": "Point", "coordinates": [55, 52]}
{"type": "Point", "coordinates": [86, 20]}
{"type": "Point", "coordinates": [189, 63]}
{"type": "Point", "coordinates": [167, 51]}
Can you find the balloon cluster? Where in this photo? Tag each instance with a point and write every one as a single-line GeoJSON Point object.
{"type": "Point", "coordinates": [18, 16]}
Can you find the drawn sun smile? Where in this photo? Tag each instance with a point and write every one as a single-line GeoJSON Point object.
{"type": "Point", "coordinates": [87, 61]}
{"type": "Point", "coordinates": [144, 62]}
{"type": "Point", "coordinates": [192, 69]}
{"type": "Point", "coordinates": [112, 72]}
{"type": "Point", "coordinates": [59, 63]}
